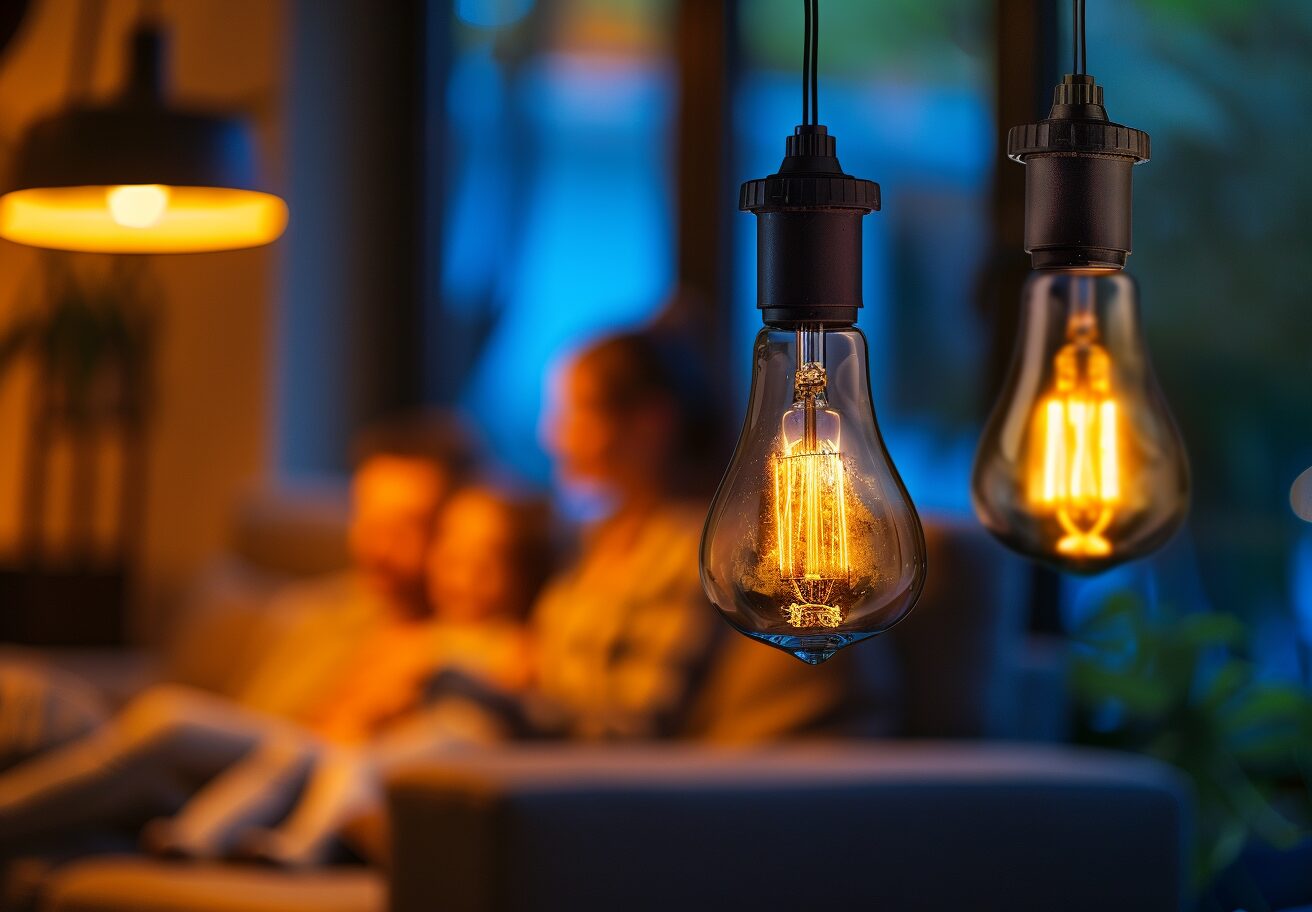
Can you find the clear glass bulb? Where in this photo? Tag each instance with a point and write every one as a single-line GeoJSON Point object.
{"type": "Point", "coordinates": [1081, 465]}
{"type": "Point", "coordinates": [812, 543]}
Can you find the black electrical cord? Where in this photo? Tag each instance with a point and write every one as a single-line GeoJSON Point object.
{"type": "Point", "coordinates": [806, 64]}
{"type": "Point", "coordinates": [815, 61]}
{"type": "Point", "coordinates": [810, 61]}
{"type": "Point", "coordinates": [1078, 47]}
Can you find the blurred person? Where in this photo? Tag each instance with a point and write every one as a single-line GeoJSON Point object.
{"type": "Point", "coordinates": [171, 737]}
{"type": "Point", "coordinates": [628, 645]}
{"type": "Point", "coordinates": [624, 631]}
{"type": "Point", "coordinates": [490, 555]}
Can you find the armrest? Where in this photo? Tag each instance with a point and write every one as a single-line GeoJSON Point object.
{"type": "Point", "coordinates": [906, 826]}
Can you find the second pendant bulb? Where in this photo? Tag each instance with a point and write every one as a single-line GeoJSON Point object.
{"type": "Point", "coordinates": [1081, 465]}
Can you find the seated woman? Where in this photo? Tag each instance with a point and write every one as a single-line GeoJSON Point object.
{"type": "Point", "coordinates": [250, 766]}
{"type": "Point", "coordinates": [628, 646]}
{"type": "Point", "coordinates": [625, 632]}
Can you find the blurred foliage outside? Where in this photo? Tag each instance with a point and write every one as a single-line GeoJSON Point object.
{"type": "Point", "coordinates": [1178, 687]}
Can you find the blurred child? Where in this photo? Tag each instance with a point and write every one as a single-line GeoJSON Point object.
{"type": "Point", "coordinates": [490, 556]}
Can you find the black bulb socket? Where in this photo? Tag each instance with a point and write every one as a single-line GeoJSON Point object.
{"type": "Point", "coordinates": [808, 234]}
{"type": "Point", "coordinates": [1078, 200]}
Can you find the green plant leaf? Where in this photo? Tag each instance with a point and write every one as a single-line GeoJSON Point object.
{"type": "Point", "coordinates": [1189, 697]}
{"type": "Point", "coordinates": [1141, 695]}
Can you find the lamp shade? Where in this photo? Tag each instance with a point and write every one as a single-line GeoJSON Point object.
{"type": "Point", "coordinates": [139, 176]}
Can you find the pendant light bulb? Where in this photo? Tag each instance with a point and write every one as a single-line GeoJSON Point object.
{"type": "Point", "coordinates": [812, 542]}
{"type": "Point", "coordinates": [1080, 465]}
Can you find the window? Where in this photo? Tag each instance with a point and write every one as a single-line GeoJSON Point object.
{"type": "Point", "coordinates": [557, 222]}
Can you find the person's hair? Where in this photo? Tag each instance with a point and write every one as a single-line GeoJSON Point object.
{"type": "Point", "coordinates": [646, 366]}
{"type": "Point", "coordinates": [438, 438]}
{"type": "Point", "coordinates": [533, 546]}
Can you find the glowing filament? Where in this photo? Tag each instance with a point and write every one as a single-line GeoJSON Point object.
{"type": "Point", "coordinates": [810, 506]}
{"type": "Point", "coordinates": [1078, 470]}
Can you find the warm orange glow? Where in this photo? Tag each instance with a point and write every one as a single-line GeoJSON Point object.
{"type": "Point", "coordinates": [810, 504]}
{"type": "Point", "coordinates": [141, 218]}
{"type": "Point", "coordinates": [1076, 466]}
{"type": "Point", "coordinates": [137, 205]}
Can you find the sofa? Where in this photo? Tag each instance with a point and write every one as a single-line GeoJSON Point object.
{"type": "Point", "coordinates": [976, 812]}
{"type": "Point", "coordinates": [906, 826]}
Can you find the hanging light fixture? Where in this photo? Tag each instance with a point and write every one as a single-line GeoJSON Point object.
{"type": "Point", "coordinates": [1080, 465]}
{"type": "Point", "coordinates": [138, 175]}
{"type": "Point", "coordinates": [811, 543]}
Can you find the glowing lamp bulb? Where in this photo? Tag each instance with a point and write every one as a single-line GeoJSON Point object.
{"type": "Point", "coordinates": [812, 543]}
{"type": "Point", "coordinates": [137, 205]}
{"type": "Point", "coordinates": [1081, 465]}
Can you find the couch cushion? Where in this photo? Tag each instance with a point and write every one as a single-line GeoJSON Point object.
{"type": "Point", "coordinates": [130, 884]}
{"type": "Point", "coordinates": [929, 827]}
